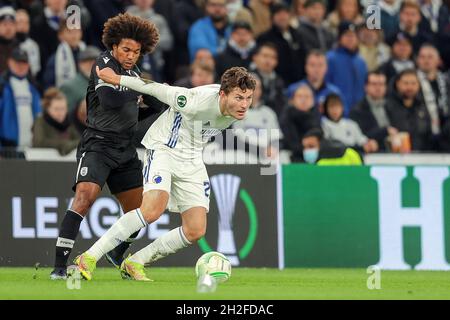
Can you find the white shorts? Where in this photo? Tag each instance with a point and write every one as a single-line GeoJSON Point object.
{"type": "Point", "coordinates": [186, 182]}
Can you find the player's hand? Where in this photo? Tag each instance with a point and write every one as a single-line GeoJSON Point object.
{"type": "Point", "coordinates": [108, 75]}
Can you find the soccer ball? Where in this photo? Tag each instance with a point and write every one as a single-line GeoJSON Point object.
{"type": "Point", "coordinates": [215, 264]}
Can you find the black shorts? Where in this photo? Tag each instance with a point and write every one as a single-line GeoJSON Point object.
{"type": "Point", "coordinates": [104, 158]}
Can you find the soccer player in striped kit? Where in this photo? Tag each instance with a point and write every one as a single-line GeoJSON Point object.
{"type": "Point", "coordinates": [174, 173]}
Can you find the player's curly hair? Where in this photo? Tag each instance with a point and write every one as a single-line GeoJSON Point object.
{"type": "Point", "coordinates": [126, 26]}
{"type": "Point", "coordinates": [237, 77]}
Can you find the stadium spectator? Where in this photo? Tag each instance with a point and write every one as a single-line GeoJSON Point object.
{"type": "Point", "coordinates": [144, 9]}
{"type": "Point", "coordinates": [201, 74]}
{"type": "Point", "coordinates": [75, 89]}
{"type": "Point", "coordinates": [26, 43]}
{"type": "Point", "coordinates": [372, 49]}
{"type": "Point", "coordinates": [443, 36]}
{"type": "Point", "coordinates": [260, 128]}
{"type": "Point", "coordinates": [323, 152]}
{"type": "Point", "coordinates": [62, 65]}
{"type": "Point", "coordinates": [205, 56]}
{"type": "Point", "coordinates": [346, 69]}
{"type": "Point", "coordinates": [7, 35]}
{"type": "Point", "coordinates": [45, 26]}
{"type": "Point", "coordinates": [409, 20]}
{"type": "Point", "coordinates": [370, 114]}
{"type": "Point", "coordinates": [345, 11]}
{"type": "Point", "coordinates": [211, 32]}
{"type": "Point", "coordinates": [389, 10]}
{"type": "Point", "coordinates": [20, 102]}
{"type": "Point", "coordinates": [297, 12]}
{"type": "Point", "coordinates": [238, 12]}
{"type": "Point", "coordinates": [264, 62]}
{"type": "Point", "coordinates": [53, 129]}
{"type": "Point", "coordinates": [401, 59]}
{"type": "Point", "coordinates": [435, 87]}
{"type": "Point", "coordinates": [79, 116]}
{"type": "Point", "coordinates": [430, 11]}
{"type": "Point", "coordinates": [291, 52]}
{"type": "Point", "coordinates": [298, 118]}
{"type": "Point", "coordinates": [311, 27]}
{"type": "Point", "coordinates": [239, 50]}
{"type": "Point", "coordinates": [347, 131]}
{"type": "Point", "coordinates": [191, 12]}
{"type": "Point", "coordinates": [101, 11]}
{"type": "Point", "coordinates": [408, 113]}
{"type": "Point", "coordinates": [316, 69]}
{"type": "Point", "coordinates": [262, 20]}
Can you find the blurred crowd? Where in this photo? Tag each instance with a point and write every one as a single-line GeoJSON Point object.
{"type": "Point", "coordinates": [335, 86]}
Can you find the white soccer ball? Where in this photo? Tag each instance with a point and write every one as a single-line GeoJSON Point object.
{"type": "Point", "coordinates": [215, 264]}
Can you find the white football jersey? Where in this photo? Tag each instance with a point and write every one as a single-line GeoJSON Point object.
{"type": "Point", "coordinates": [193, 118]}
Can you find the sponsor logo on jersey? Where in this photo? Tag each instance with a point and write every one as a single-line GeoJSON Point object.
{"type": "Point", "coordinates": [181, 101]}
{"type": "Point", "coordinates": [106, 60]}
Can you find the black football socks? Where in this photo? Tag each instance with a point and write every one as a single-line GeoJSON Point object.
{"type": "Point", "coordinates": [68, 231]}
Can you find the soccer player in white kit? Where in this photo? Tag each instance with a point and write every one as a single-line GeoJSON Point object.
{"type": "Point", "coordinates": [175, 176]}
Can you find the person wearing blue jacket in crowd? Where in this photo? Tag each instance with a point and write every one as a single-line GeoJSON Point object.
{"type": "Point", "coordinates": [20, 102]}
{"type": "Point", "coordinates": [316, 69]}
{"type": "Point", "coordinates": [346, 68]}
{"type": "Point", "coordinates": [211, 32]}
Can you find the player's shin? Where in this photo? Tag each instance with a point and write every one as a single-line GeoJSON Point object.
{"type": "Point", "coordinates": [116, 255]}
{"type": "Point", "coordinates": [119, 232]}
{"type": "Point", "coordinates": [68, 231]}
{"type": "Point", "coordinates": [168, 243]}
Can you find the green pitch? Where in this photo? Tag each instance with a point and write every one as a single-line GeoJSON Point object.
{"type": "Point", "coordinates": [180, 283]}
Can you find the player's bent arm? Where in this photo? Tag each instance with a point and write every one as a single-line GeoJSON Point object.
{"type": "Point", "coordinates": [164, 93]}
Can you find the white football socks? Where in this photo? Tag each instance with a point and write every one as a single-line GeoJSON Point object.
{"type": "Point", "coordinates": [168, 243]}
{"type": "Point", "coordinates": [119, 232]}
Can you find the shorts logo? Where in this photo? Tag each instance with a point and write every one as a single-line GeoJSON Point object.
{"type": "Point", "coordinates": [181, 101]}
{"type": "Point", "coordinates": [157, 179]}
{"type": "Point", "coordinates": [84, 171]}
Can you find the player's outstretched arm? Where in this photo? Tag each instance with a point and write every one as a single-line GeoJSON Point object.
{"type": "Point", "coordinates": [162, 92]}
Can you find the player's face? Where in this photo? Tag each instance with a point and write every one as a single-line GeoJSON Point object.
{"type": "Point", "coordinates": [127, 53]}
{"type": "Point", "coordinates": [237, 102]}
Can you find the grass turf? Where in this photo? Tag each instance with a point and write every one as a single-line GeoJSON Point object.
{"type": "Point", "coordinates": [245, 283]}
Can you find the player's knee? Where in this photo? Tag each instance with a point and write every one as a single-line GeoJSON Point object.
{"type": "Point", "coordinates": [150, 214]}
{"type": "Point", "coordinates": [83, 201]}
{"type": "Point", "coordinates": [194, 234]}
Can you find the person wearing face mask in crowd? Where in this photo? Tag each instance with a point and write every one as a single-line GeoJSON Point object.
{"type": "Point", "coordinates": [323, 152]}
{"type": "Point", "coordinates": [53, 129]}
{"type": "Point", "coordinates": [298, 118]}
